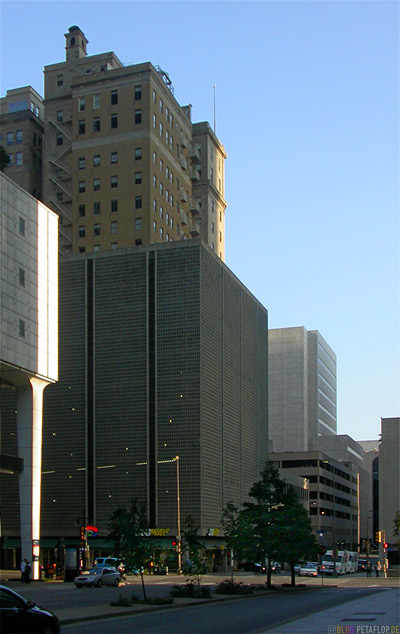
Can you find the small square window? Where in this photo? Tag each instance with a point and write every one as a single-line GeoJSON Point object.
{"type": "Point", "coordinates": [96, 124]}
{"type": "Point", "coordinates": [96, 184]}
{"type": "Point", "coordinates": [138, 242]}
{"type": "Point", "coordinates": [138, 153]}
{"type": "Point", "coordinates": [114, 205]}
{"type": "Point", "coordinates": [114, 97]}
{"type": "Point", "coordinates": [138, 224]}
{"type": "Point", "coordinates": [21, 328]}
{"type": "Point", "coordinates": [96, 229]}
{"type": "Point", "coordinates": [96, 208]}
{"type": "Point", "coordinates": [114, 245]}
{"type": "Point", "coordinates": [138, 116]}
{"type": "Point", "coordinates": [138, 202]}
{"type": "Point", "coordinates": [81, 210]}
{"type": "Point", "coordinates": [96, 160]}
{"type": "Point", "coordinates": [60, 80]}
{"type": "Point", "coordinates": [59, 139]}
{"type": "Point", "coordinates": [114, 226]}
{"type": "Point", "coordinates": [96, 247]}
{"type": "Point", "coordinates": [114, 181]}
{"type": "Point", "coordinates": [138, 93]}
{"type": "Point", "coordinates": [82, 187]}
{"type": "Point", "coordinates": [60, 116]}
{"type": "Point", "coordinates": [21, 277]}
{"type": "Point", "coordinates": [114, 121]}
{"type": "Point", "coordinates": [82, 231]}
{"type": "Point", "coordinates": [138, 178]}
{"type": "Point", "coordinates": [82, 249]}
{"type": "Point", "coordinates": [114, 157]}
{"type": "Point", "coordinates": [81, 163]}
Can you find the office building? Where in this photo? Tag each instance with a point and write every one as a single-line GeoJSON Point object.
{"type": "Point", "coordinates": [28, 357]}
{"type": "Point", "coordinates": [124, 165]}
{"type": "Point", "coordinates": [21, 134]}
{"type": "Point", "coordinates": [333, 495]}
{"type": "Point", "coordinates": [302, 389]}
{"type": "Point", "coordinates": [163, 353]}
{"type": "Point", "coordinates": [389, 478]}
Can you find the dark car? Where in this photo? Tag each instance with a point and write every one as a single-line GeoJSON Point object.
{"type": "Point", "coordinates": [19, 615]}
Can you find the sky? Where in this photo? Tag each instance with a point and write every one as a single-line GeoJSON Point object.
{"type": "Point", "coordinates": [307, 108]}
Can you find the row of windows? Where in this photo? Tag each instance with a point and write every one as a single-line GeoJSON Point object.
{"type": "Point", "coordinates": [113, 185]}
{"type": "Point", "coordinates": [97, 125]}
{"type": "Point", "coordinates": [18, 159]}
{"type": "Point", "coordinates": [113, 228]}
{"type": "Point", "coordinates": [97, 208]}
{"type": "Point", "coordinates": [96, 99]}
{"type": "Point", "coordinates": [10, 137]}
{"type": "Point", "coordinates": [114, 245]}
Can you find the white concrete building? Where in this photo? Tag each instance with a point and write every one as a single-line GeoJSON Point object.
{"type": "Point", "coordinates": [28, 338]}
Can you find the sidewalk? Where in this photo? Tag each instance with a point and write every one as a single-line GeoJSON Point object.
{"type": "Point", "coordinates": [377, 614]}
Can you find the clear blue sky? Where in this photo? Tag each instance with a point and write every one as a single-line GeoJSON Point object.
{"type": "Point", "coordinates": [308, 111]}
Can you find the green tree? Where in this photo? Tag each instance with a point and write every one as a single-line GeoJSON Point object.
{"type": "Point", "coordinates": [129, 529]}
{"type": "Point", "coordinates": [4, 159]}
{"type": "Point", "coordinates": [261, 517]}
{"type": "Point", "coordinates": [195, 565]}
{"type": "Point", "coordinates": [396, 528]}
{"type": "Point", "coordinates": [237, 532]}
{"type": "Point", "coordinates": [293, 532]}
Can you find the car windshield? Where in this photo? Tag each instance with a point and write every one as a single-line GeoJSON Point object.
{"type": "Point", "coordinates": [93, 571]}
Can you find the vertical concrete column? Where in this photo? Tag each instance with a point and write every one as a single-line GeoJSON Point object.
{"type": "Point", "coordinates": [29, 426]}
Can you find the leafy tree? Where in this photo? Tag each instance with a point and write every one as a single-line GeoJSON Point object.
{"type": "Point", "coordinates": [4, 159]}
{"type": "Point", "coordinates": [293, 531]}
{"type": "Point", "coordinates": [396, 528]}
{"type": "Point", "coordinates": [195, 564]}
{"type": "Point", "coordinates": [129, 529]}
{"type": "Point", "coordinates": [261, 517]}
{"type": "Point", "coordinates": [237, 532]}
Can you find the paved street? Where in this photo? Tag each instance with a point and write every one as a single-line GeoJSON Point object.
{"type": "Point", "coordinates": [90, 609]}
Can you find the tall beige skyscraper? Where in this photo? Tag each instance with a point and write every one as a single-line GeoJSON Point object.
{"type": "Point", "coordinates": [124, 165]}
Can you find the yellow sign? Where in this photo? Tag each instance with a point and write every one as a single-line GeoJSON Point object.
{"type": "Point", "coordinates": [159, 532]}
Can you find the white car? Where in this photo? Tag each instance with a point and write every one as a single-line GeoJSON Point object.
{"type": "Point", "coordinates": [308, 571]}
{"type": "Point", "coordinates": [98, 577]}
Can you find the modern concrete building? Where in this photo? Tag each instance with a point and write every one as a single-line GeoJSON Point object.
{"type": "Point", "coordinates": [124, 165]}
{"type": "Point", "coordinates": [389, 477]}
{"type": "Point", "coordinates": [163, 353]}
{"type": "Point", "coordinates": [302, 389]}
{"type": "Point", "coordinates": [371, 462]}
{"type": "Point", "coordinates": [28, 354]}
{"type": "Point", "coordinates": [21, 134]}
{"type": "Point", "coordinates": [348, 451]}
{"type": "Point", "coordinates": [333, 494]}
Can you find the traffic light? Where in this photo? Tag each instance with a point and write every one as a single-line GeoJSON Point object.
{"type": "Point", "coordinates": [385, 545]}
{"type": "Point", "coordinates": [378, 537]}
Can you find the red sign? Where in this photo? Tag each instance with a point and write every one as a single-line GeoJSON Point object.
{"type": "Point", "coordinates": [91, 531]}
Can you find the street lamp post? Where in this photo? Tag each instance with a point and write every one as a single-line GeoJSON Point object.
{"type": "Point", "coordinates": [178, 518]}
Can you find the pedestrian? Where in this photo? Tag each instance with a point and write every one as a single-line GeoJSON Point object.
{"type": "Point", "coordinates": [27, 572]}
{"type": "Point", "coordinates": [22, 567]}
{"type": "Point", "coordinates": [378, 568]}
{"type": "Point", "coordinates": [369, 568]}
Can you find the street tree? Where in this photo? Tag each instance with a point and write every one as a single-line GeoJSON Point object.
{"type": "Point", "coordinates": [195, 563]}
{"type": "Point", "coordinates": [129, 529]}
{"type": "Point", "coordinates": [237, 533]}
{"type": "Point", "coordinates": [4, 158]}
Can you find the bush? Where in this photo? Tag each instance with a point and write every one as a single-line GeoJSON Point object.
{"type": "Point", "coordinates": [233, 587]}
{"type": "Point", "coordinates": [191, 590]}
{"type": "Point", "coordinates": [127, 602]}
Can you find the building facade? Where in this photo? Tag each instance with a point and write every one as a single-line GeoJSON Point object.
{"type": "Point", "coordinates": [389, 477]}
{"type": "Point", "coordinates": [124, 165]}
{"type": "Point", "coordinates": [21, 134]}
{"type": "Point", "coordinates": [333, 495]}
{"type": "Point", "coordinates": [28, 353]}
{"type": "Point", "coordinates": [302, 389]}
{"type": "Point", "coordinates": [163, 353]}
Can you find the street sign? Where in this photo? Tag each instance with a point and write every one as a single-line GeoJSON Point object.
{"type": "Point", "coordinates": [91, 531]}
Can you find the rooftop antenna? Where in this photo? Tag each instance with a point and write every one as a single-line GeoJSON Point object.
{"type": "Point", "coordinates": [215, 126]}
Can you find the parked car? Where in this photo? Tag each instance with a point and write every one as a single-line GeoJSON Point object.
{"type": "Point", "coordinates": [112, 562]}
{"type": "Point", "coordinates": [19, 615]}
{"type": "Point", "coordinates": [309, 570]}
{"type": "Point", "coordinates": [297, 568]}
{"type": "Point", "coordinates": [276, 568]}
{"type": "Point", "coordinates": [362, 565]}
{"type": "Point", "coordinates": [98, 577]}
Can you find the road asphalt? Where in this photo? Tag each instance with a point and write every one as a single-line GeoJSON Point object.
{"type": "Point", "coordinates": [380, 609]}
